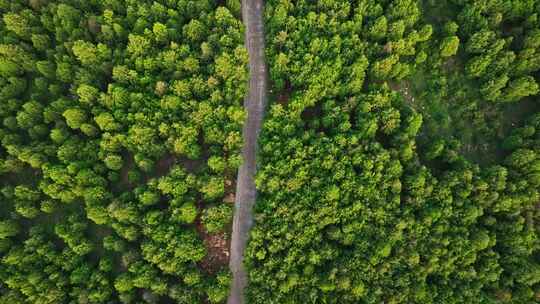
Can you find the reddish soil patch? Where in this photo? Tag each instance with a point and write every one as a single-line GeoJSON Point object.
{"type": "Point", "coordinates": [404, 88]}
{"type": "Point", "coordinates": [217, 244]}
{"type": "Point", "coordinates": [129, 162]}
{"type": "Point", "coordinates": [388, 48]}
{"type": "Point", "coordinates": [163, 165]}
{"type": "Point", "coordinates": [230, 185]}
{"type": "Point", "coordinates": [285, 94]}
{"type": "Point", "coordinates": [313, 112]}
{"type": "Point", "coordinates": [193, 165]}
{"type": "Point", "coordinates": [217, 247]}
{"type": "Point", "coordinates": [230, 198]}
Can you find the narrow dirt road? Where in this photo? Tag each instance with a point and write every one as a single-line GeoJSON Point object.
{"type": "Point", "coordinates": [255, 102]}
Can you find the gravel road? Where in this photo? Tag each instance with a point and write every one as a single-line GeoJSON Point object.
{"type": "Point", "coordinates": [255, 102]}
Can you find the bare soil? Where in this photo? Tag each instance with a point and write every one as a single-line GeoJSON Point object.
{"type": "Point", "coordinates": [404, 87]}
{"type": "Point", "coordinates": [217, 248]}
{"type": "Point", "coordinates": [164, 165]}
{"type": "Point", "coordinates": [129, 163]}
{"type": "Point", "coordinates": [284, 96]}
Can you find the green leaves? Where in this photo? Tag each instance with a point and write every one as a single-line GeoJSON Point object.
{"type": "Point", "coordinates": [8, 228]}
{"type": "Point", "coordinates": [449, 46]}
{"type": "Point", "coordinates": [213, 188]}
{"type": "Point", "coordinates": [186, 214]}
{"type": "Point", "coordinates": [17, 24]}
{"type": "Point", "coordinates": [352, 175]}
{"type": "Point", "coordinates": [75, 117]}
{"type": "Point", "coordinates": [86, 53]}
{"type": "Point", "coordinates": [148, 198]}
{"type": "Point", "coordinates": [138, 45]}
{"type": "Point", "coordinates": [216, 218]}
{"type": "Point", "coordinates": [105, 108]}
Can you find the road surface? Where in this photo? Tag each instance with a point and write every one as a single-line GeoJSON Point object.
{"type": "Point", "coordinates": [255, 102]}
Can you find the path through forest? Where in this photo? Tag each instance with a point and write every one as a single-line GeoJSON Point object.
{"type": "Point", "coordinates": [252, 14]}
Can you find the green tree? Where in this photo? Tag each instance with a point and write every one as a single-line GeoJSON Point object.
{"type": "Point", "coordinates": [519, 88]}
{"type": "Point", "coordinates": [215, 219]}
{"type": "Point", "coordinates": [114, 162]}
{"type": "Point", "coordinates": [74, 117]}
{"type": "Point", "coordinates": [17, 24]}
{"type": "Point", "coordinates": [8, 228]}
{"type": "Point", "coordinates": [449, 46]}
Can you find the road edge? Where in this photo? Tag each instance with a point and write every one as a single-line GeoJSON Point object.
{"type": "Point", "coordinates": [254, 103]}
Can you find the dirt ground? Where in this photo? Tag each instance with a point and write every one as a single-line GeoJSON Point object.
{"type": "Point", "coordinates": [217, 246]}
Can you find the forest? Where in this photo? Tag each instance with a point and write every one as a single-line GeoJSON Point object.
{"type": "Point", "coordinates": [398, 162]}
{"type": "Point", "coordinates": [400, 155]}
{"type": "Point", "coordinates": [120, 130]}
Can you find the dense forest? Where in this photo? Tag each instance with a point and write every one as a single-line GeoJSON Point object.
{"type": "Point", "coordinates": [120, 130]}
{"type": "Point", "coordinates": [400, 156]}
{"type": "Point", "coordinates": [399, 160]}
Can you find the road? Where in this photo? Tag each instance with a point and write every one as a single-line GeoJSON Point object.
{"type": "Point", "coordinates": [255, 103]}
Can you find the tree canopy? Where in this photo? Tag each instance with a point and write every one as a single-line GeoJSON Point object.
{"type": "Point", "coordinates": [368, 190]}
{"type": "Point", "coordinates": [119, 130]}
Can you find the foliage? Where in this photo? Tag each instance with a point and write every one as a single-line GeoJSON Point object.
{"type": "Point", "coordinates": [116, 118]}
{"type": "Point", "coordinates": [399, 160]}
{"type": "Point", "coordinates": [364, 193]}
{"type": "Point", "coordinates": [215, 219]}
